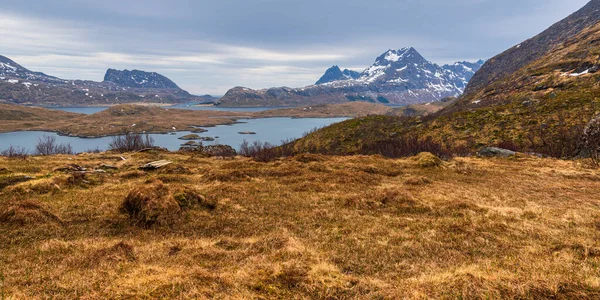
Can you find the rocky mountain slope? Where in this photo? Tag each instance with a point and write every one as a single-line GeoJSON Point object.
{"type": "Point", "coordinates": [21, 86]}
{"type": "Point", "coordinates": [535, 48]}
{"type": "Point", "coordinates": [397, 77]}
{"type": "Point", "coordinates": [529, 101]}
{"type": "Point", "coordinates": [11, 69]}
{"type": "Point", "coordinates": [139, 79]}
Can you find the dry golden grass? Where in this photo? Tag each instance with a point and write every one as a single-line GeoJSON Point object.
{"type": "Point", "coordinates": [305, 227]}
{"type": "Point", "coordinates": [350, 109]}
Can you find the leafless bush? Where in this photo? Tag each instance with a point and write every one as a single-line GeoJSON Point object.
{"type": "Point", "coordinates": [130, 142]}
{"type": "Point", "coordinates": [94, 150]}
{"type": "Point", "coordinates": [591, 140]}
{"type": "Point", "coordinates": [47, 145]}
{"type": "Point", "coordinates": [260, 151]}
{"type": "Point", "coordinates": [15, 152]}
{"type": "Point", "coordinates": [555, 138]}
{"type": "Point", "coordinates": [265, 151]}
{"type": "Point", "coordinates": [406, 146]}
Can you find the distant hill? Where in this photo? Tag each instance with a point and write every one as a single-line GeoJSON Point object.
{"type": "Point", "coordinates": [397, 77]}
{"type": "Point", "coordinates": [19, 85]}
{"type": "Point", "coordinates": [536, 96]}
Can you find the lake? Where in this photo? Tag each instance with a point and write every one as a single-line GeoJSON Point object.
{"type": "Point", "coordinates": [272, 130]}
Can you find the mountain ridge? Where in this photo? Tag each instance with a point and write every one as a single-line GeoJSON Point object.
{"type": "Point", "coordinates": [20, 85]}
{"type": "Point", "coordinates": [532, 49]}
{"type": "Point", "coordinates": [397, 77]}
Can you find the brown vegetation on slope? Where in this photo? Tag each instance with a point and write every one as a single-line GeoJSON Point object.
{"type": "Point", "coordinates": [307, 227]}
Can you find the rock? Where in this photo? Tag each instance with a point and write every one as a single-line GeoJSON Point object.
{"type": "Point", "coordinates": [71, 168]}
{"type": "Point", "coordinates": [495, 152]}
{"type": "Point", "coordinates": [198, 130]}
{"type": "Point", "coordinates": [190, 143]}
{"type": "Point", "coordinates": [220, 150]}
{"type": "Point", "coordinates": [247, 132]}
{"type": "Point", "coordinates": [155, 165]}
{"type": "Point", "coordinates": [107, 167]}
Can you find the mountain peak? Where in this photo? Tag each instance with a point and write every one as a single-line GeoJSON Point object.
{"type": "Point", "coordinates": [336, 74]}
{"type": "Point", "coordinates": [139, 79]}
{"type": "Point", "coordinates": [9, 68]}
{"type": "Point", "coordinates": [409, 54]}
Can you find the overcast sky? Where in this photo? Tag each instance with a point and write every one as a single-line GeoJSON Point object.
{"type": "Point", "coordinates": [211, 46]}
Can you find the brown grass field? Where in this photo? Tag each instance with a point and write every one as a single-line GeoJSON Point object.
{"type": "Point", "coordinates": [150, 119]}
{"type": "Point", "coordinates": [358, 227]}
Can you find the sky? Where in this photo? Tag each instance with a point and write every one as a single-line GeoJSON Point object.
{"type": "Point", "coordinates": [208, 47]}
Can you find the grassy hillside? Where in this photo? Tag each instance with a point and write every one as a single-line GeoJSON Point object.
{"type": "Point", "coordinates": [303, 227]}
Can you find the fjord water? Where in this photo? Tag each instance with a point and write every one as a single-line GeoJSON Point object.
{"type": "Point", "coordinates": [272, 130]}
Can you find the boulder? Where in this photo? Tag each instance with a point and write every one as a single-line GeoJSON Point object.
{"type": "Point", "coordinates": [220, 150]}
{"type": "Point", "coordinates": [496, 152]}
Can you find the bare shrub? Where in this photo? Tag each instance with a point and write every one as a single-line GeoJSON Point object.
{"type": "Point", "coordinates": [265, 151]}
{"type": "Point", "coordinates": [406, 146]}
{"type": "Point", "coordinates": [15, 152]}
{"type": "Point", "coordinates": [591, 140]}
{"type": "Point", "coordinates": [94, 150]}
{"type": "Point", "coordinates": [47, 145]}
{"type": "Point", "coordinates": [130, 142]}
{"type": "Point", "coordinates": [555, 138]}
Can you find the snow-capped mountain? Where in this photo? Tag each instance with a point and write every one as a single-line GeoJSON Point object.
{"type": "Point", "coordinates": [22, 86]}
{"type": "Point", "coordinates": [139, 79]}
{"type": "Point", "coordinates": [408, 66]}
{"type": "Point", "coordinates": [398, 77]}
{"type": "Point", "coordinates": [336, 74]}
{"type": "Point", "coordinates": [11, 69]}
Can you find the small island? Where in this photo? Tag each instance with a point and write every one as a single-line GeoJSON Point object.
{"type": "Point", "coordinates": [190, 137]}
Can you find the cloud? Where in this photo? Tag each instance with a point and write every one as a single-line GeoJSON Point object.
{"type": "Point", "coordinates": [211, 46]}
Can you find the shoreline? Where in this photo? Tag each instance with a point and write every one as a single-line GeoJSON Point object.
{"type": "Point", "coordinates": [160, 120]}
